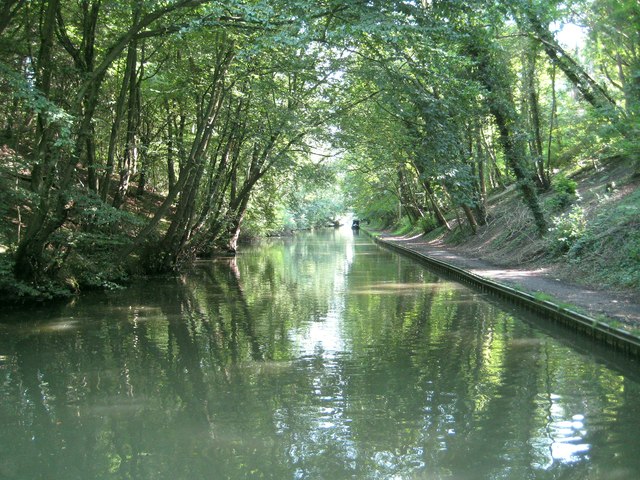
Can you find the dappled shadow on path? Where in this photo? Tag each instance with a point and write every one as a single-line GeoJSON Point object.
{"type": "Point", "coordinates": [625, 309]}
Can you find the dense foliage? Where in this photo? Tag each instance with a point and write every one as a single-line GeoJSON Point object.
{"type": "Point", "coordinates": [138, 135]}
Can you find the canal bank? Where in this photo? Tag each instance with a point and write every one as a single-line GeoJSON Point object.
{"type": "Point", "coordinates": [606, 317]}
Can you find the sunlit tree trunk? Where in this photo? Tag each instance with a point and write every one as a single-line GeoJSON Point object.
{"type": "Point", "coordinates": [407, 198]}
{"type": "Point", "coordinates": [495, 175]}
{"type": "Point", "coordinates": [437, 210]}
{"type": "Point", "coordinates": [146, 138]}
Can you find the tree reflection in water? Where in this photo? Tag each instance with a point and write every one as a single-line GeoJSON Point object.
{"type": "Point", "coordinates": [317, 357]}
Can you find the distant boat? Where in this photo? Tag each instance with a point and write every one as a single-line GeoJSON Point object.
{"type": "Point", "coordinates": [355, 225]}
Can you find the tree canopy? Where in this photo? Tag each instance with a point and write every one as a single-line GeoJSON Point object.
{"type": "Point", "coordinates": [139, 135]}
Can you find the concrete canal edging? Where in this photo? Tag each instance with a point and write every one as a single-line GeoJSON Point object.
{"type": "Point", "coordinates": [616, 338]}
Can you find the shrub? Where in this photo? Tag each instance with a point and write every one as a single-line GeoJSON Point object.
{"type": "Point", "coordinates": [14, 291]}
{"type": "Point", "coordinates": [427, 224]}
{"type": "Point", "coordinates": [404, 226]}
{"type": "Point", "coordinates": [562, 184]}
{"type": "Point", "coordinates": [567, 230]}
{"type": "Point", "coordinates": [564, 193]}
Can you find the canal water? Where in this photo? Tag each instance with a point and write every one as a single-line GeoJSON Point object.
{"type": "Point", "coordinates": [317, 357]}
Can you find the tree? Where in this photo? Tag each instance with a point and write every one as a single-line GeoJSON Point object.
{"type": "Point", "coordinates": [54, 205]}
{"type": "Point", "coordinates": [212, 105]}
{"type": "Point", "coordinates": [495, 78]}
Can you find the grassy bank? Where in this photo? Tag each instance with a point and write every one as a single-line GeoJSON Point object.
{"type": "Point", "coordinates": [594, 229]}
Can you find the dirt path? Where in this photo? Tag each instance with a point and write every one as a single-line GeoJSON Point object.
{"type": "Point", "coordinates": [624, 309]}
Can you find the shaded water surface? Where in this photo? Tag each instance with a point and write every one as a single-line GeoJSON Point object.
{"type": "Point", "coordinates": [320, 357]}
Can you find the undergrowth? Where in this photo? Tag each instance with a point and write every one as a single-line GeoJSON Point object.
{"type": "Point", "coordinates": [608, 248]}
{"type": "Point", "coordinates": [83, 255]}
{"type": "Point", "coordinates": [593, 237]}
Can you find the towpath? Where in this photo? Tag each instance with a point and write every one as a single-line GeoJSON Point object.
{"type": "Point", "coordinates": [624, 309]}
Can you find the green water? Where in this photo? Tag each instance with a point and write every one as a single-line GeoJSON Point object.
{"type": "Point", "coordinates": [320, 357]}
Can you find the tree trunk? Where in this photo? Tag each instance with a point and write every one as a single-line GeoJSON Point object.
{"type": "Point", "coordinates": [130, 157]}
{"type": "Point", "coordinates": [29, 260]}
{"type": "Point", "coordinates": [494, 170]}
{"type": "Point", "coordinates": [105, 184]}
{"type": "Point", "coordinates": [552, 120]}
{"type": "Point", "coordinates": [591, 91]}
{"type": "Point", "coordinates": [409, 204]}
{"type": "Point", "coordinates": [43, 168]}
{"type": "Point", "coordinates": [30, 263]}
{"type": "Point", "coordinates": [470, 217]}
{"type": "Point", "coordinates": [90, 21]}
{"type": "Point", "coordinates": [534, 116]}
{"type": "Point", "coordinates": [442, 220]}
{"type": "Point", "coordinates": [493, 74]}
{"type": "Point", "coordinates": [171, 166]}
{"type": "Point", "coordinates": [234, 233]}
{"type": "Point", "coordinates": [480, 186]}
{"type": "Point", "coordinates": [239, 210]}
{"type": "Point", "coordinates": [514, 152]}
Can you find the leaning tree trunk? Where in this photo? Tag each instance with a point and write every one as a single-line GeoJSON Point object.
{"type": "Point", "coordinates": [442, 220]}
{"type": "Point", "coordinates": [590, 90]}
{"type": "Point", "coordinates": [470, 217]}
{"type": "Point", "coordinates": [494, 76]}
{"type": "Point", "coordinates": [233, 232]}
{"type": "Point", "coordinates": [30, 263]}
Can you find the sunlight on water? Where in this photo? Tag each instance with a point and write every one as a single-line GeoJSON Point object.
{"type": "Point", "coordinates": [59, 326]}
{"type": "Point", "coordinates": [321, 356]}
{"type": "Point", "coordinates": [324, 337]}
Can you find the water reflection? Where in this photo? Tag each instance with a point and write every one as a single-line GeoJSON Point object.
{"type": "Point", "coordinates": [309, 358]}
